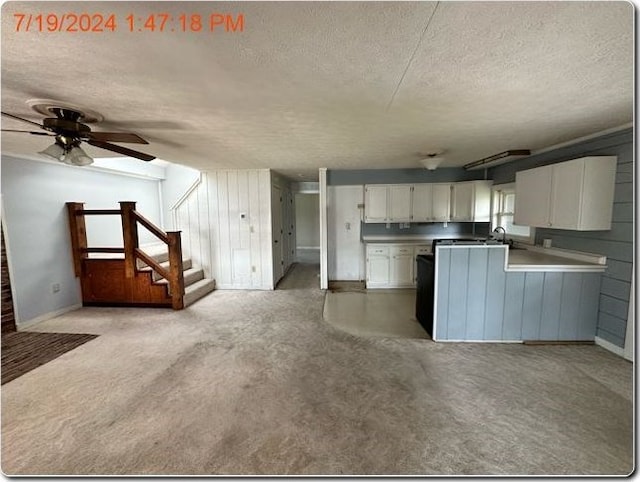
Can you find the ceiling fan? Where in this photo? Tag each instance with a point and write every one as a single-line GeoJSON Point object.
{"type": "Point", "coordinates": [69, 132]}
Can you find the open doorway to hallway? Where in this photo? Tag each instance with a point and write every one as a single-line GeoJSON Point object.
{"type": "Point", "coordinates": [307, 212]}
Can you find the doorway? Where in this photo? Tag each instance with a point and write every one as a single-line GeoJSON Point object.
{"type": "Point", "coordinates": [307, 210]}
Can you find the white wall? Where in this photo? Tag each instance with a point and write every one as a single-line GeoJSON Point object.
{"type": "Point", "coordinates": [34, 196]}
{"type": "Point", "coordinates": [234, 250]}
{"type": "Point", "coordinates": [307, 221]}
{"type": "Point", "coordinates": [178, 180]}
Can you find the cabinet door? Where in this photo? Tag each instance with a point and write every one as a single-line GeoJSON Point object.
{"type": "Point", "coordinates": [400, 203]}
{"type": "Point", "coordinates": [402, 268]}
{"type": "Point", "coordinates": [463, 201]}
{"type": "Point", "coordinates": [533, 197]}
{"type": "Point", "coordinates": [566, 199]}
{"type": "Point", "coordinates": [441, 202]}
{"type": "Point", "coordinates": [378, 270]}
{"type": "Point", "coordinates": [375, 204]}
{"type": "Point", "coordinates": [421, 203]}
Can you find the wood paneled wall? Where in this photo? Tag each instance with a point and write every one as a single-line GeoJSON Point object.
{"type": "Point", "coordinates": [226, 228]}
{"type": "Point", "coordinates": [616, 244]}
{"type": "Point", "coordinates": [477, 300]}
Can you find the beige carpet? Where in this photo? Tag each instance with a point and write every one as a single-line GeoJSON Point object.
{"type": "Point", "coordinates": [257, 383]}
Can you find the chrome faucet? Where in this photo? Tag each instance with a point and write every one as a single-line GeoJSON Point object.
{"type": "Point", "coordinates": [504, 233]}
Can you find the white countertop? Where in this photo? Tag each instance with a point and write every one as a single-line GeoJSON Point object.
{"type": "Point", "coordinates": [411, 238]}
{"type": "Point", "coordinates": [535, 258]}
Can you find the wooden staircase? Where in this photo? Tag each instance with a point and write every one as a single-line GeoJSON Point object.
{"type": "Point", "coordinates": [131, 276]}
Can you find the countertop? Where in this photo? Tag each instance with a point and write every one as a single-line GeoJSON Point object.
{"type": "Point", "coordinates": [535, 258]}
{"type": "Point", "coordinates": [412, 238]}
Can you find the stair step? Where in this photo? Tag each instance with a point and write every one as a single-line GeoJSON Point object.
{"type": "Point", "coordinates": [186, 265]}
{"type": "Point", "coordinates": [191, 276]}
{"type": "Point", "coordinates": [198, 290]}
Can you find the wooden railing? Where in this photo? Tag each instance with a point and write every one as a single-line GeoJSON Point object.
{"type": "Point", "coordinates": [132, 252]}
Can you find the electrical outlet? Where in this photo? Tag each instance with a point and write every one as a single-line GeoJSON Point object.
{"type": "Point", "coordinates": [55, 287]}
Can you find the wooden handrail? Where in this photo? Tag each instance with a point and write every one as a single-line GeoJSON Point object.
{"type": "Point", "coordinates": [151, 227]}
{"type": "Point", "coordinates": [152, 263]}
{"type": "Point", "coordinates": [99, 212]}
{"type": "Point", "coordinates": [131, 250]}
{"type": "Point", "coordinates": [102, 250]}
{"type": "Point", "coordinates": [78, 235]}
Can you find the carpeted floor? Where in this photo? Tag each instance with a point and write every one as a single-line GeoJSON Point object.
{"type": "Point", "coordinates": [254, 382]}
{"type": "Point", "coordinates": [24, 351]}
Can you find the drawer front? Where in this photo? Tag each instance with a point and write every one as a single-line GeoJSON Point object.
{"type": "Point", "coordinates": [377, 250]}
{"type": "Point", "coordinates": [400, 250]}
{"type": "Point", "coordinates": [422, 250]}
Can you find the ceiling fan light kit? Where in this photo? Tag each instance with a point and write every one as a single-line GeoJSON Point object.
{"type": "Point", "coordinates": [77, 157]}
{"type": "Point", "coordinates": [54, 151]}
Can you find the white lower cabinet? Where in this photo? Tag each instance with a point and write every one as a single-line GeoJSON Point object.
{"type": "Point", "coordinates": [378, 264]}
{"type": "Point", "coordinates": [393, 265]}
{"type": "Point", "coordinates": [401, 266]}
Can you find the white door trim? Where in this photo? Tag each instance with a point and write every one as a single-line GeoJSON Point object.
{"type": "Point", "coordinates": [629, 335]}
{"type": "Point", "coordinates": [324, 278]}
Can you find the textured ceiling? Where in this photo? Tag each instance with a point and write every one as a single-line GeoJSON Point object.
{"type": "Point", "coordinates": [338, 84]}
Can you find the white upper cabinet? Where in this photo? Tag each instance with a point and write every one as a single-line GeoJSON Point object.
{"type": "Point", "coordinates": [387, 203]}
{"type": "Point", "coordinates": [441, 202]}
{"type": "Point", "coordinates": [575, 195]}
{"type": "Point", "coordinates": [462, 195]}
{"type": "Point", "coordinates": [375, 204]}
{"type": "Point", "coordinates": [533, 197]}
{"type": "Point", "coordinates": [421, 211]}
{"type": "Point", "coordinates": [400, 203]}
{"type": "Point", "coordinates": [471, 201]}
{"type": "Point", "coordinates": [431, 203]}
{"type": "Point", "coordinates": [428, 202]}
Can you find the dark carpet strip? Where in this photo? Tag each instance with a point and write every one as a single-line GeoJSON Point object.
{"type": "Point", "coordinates": [23, 351]}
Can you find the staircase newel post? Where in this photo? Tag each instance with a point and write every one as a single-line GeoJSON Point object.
{"type": "Point", "coordinates": [78, 232]}
{"type": "Point", "coordinates": [130, 237]}
{"type": "Point", "coordinates": [175, 270]}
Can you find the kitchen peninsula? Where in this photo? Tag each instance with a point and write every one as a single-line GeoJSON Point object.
{"type": "Point", "coordinates": [494, 293]}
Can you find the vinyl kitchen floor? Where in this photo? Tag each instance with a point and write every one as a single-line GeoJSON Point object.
{"type": "Point", "coordinates": [379, 313]}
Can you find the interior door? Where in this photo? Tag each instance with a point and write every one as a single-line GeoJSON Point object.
{"type": "Point", "coordinates": [346, 251]}
{"type": "Point", "coordinates": [278, 249]}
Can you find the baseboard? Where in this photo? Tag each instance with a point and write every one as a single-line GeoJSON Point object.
{"type": "Point", "coordinates": [477, 341]}
{"type": "Point", "coordinates": [47, 316]}
{"type": "Point", "coordinates": [317, 248]}
{"type": "Point", "coordinates": [607, 345]}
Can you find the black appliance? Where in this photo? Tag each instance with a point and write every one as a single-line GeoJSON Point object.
{"type": "Point", "coordinates": [425, 291]}
{"type": "Point", "coordinates": [425, 283]}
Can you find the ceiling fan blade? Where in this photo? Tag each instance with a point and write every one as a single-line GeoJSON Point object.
{"type": "Point", "coordinates": [116, 137]}
{"type": "Point", "coordinates": [121, 150]}
{"type": "Point", "coordinates": [29, 132]}
{"type": "Point", "coordinates": [21, 119]}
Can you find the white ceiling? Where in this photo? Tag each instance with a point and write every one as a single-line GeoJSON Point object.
{"type": "Point", "coordinates": [310, 85]}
